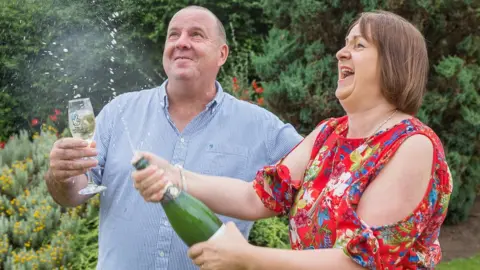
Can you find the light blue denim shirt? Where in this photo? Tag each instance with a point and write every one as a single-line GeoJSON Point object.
{"type": "Point", "coordinates": [229, 138]}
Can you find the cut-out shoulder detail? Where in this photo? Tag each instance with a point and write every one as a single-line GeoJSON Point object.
{"type": "Point", "coordinates": [409, 173]}
{"type": "Point", "coordinates": [323, 209]}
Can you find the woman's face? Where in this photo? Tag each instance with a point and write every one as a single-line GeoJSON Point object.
{"type": "Point", "coordinates": [358, 72]}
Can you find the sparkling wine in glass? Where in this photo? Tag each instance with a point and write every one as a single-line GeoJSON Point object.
{"type": "Point", "coordinates": [81, 122]}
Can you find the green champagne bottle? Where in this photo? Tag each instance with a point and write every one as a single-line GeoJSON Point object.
{"type": "Point", "coordinates": [191, 219]}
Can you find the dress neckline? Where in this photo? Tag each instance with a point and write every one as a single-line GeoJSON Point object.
{"type": "Point", "coordinates": [341, 130]}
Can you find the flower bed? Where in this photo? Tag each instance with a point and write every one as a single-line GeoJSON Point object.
{"type": "Point", "coordinates": [36, 232]}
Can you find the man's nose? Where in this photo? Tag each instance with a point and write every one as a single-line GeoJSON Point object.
{"type": "Point", "coordinates": [183, 42]}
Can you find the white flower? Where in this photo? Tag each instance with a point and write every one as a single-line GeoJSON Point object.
{"type": "Point", "coordinates": [293, 230]}
{"type": "Point", "coordinates": [345, 176]}
{"type": "Point", "coordinates": [340, 189]}
{"type": "Point", "coordinates": [361, 148]}
{"type": "Point", "coordinates": [308, 197]}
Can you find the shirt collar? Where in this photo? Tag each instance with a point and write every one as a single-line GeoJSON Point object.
{"type": "Point", "coordinates": [215, 101]}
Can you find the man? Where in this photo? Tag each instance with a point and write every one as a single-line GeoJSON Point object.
{"type": "Point", "coordinates": [189, 120]}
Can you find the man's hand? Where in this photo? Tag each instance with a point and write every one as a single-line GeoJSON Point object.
{"type": "Point", "coordinates": [66, 159]}
{"type": "Point", "coordinates": [151, 181]}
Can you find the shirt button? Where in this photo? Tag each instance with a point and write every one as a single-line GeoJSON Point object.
{"type": "Point", "coordinates": [166, 223]}
{"type": "Point", "coordinates": [182, 140]}
{"type": "Point", "coordinates": [162, 254]}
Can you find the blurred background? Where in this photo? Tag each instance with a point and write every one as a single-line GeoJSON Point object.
{"type": "Point", "coordinates": [282, 57]}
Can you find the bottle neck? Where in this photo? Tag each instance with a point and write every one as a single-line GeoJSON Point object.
{"type": "Point", "coordinates": [170, 192]}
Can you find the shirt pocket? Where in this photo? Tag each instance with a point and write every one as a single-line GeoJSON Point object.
{"type": "Point", "coordinates": [229, 160]}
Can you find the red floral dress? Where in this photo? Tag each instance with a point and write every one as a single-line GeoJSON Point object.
{"type": "Point", "coordinates": [322, 207]}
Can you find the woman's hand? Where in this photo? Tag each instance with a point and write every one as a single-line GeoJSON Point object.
{"type": "Point", "coordinates": [225, 251]}
{"type": "Point", "coordinates": [151, 181]}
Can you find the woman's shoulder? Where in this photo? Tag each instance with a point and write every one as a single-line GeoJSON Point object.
{"type": "Point", "coordinates": [415, 145]}
{"type": "Point", "coordinates": [331, 123]}
{"type": "Point", "coordinates": [415, 128]}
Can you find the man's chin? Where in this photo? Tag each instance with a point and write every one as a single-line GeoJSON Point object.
{"type": "Point", "coordinates": [182, 76]}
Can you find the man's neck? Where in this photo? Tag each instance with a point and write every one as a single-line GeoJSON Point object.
{"type": "Point", "coordinates": [366, 122]}
{"type": "Point", "coordinates": [188, 99]}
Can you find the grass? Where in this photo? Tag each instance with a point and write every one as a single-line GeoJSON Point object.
{"type": "Point", "coordinates": [472, 263]}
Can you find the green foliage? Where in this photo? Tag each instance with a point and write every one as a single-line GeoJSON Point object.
{"type": "Point", "coordinates": [86, 243]}
{"type": "Point", "coordinates": [471, 263]}
{"type": "Point", "coordinates": [36, 232]}
{"type": "Point", "coordinates": [59, 50]}
{"type": "Point", "coordinates": [8, 118]}
{"type": "Point", "coordinates": [271, 232]}
{"type": "Point", "coordinates": [298, 71]}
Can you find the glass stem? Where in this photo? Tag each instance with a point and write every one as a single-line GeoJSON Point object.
{"type": "Point", "coordinates": [90, 178]}
{"type": "Point", "coordinates": [89, 171]}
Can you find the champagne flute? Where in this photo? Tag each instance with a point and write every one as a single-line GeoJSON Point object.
{"type": "Point", "coordinates": [81, 121]}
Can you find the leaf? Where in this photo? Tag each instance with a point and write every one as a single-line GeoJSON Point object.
{"type": "Point", "coordinates": [301, 204]}
{"type": "Point", "coordinates": [355, 157]}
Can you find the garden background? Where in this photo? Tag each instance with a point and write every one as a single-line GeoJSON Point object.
{"type": "Point", "coordinates": [282, 57]}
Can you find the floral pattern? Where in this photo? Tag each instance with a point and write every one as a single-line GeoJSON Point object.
{"type": "Point", "coordinates": [321, 208]}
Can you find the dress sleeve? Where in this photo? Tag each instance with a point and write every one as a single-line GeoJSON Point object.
{"type": "Point", "coordinates": [409, 244]}
{"type": "Point", "coordinates": [273, 184]}
{"type": "Point", "coordinates": [274, 187]}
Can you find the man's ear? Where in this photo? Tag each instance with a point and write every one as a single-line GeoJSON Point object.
{"type": "Point", "coordinates": [224, 51]}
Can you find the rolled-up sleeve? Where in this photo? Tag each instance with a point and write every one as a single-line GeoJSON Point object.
{"type": "Point", "coordinates": [274, 187]}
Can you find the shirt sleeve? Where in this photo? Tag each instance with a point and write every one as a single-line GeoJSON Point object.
{"type": "Point", "coordinates": [395, 246]}
{"type": "Point", "coordinates": [281, 139]}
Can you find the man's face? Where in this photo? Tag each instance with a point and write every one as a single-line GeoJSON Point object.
{"type": "Point", "coordinates": [193, 48]}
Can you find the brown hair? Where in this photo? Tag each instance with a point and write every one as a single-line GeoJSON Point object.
{"type": "Point", "coordinates": [403, 57]}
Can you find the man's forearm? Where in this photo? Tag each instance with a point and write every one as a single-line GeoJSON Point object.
{"type": "Point", "coordinates": [227, 196]}
{"type": "Point", "coordinates": [65, 192]}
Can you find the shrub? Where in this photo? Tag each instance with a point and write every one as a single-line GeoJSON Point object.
{"type": "Point", "coordinates": [270, 232]}
{"type": "Point", "coordinates": [35, 232]}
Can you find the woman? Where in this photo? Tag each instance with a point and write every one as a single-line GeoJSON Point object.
{"type": "Point", "coordinates": [369, 189]}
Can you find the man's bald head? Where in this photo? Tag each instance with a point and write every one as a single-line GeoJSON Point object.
{"type": "Point", "coordinates": [220, 29]}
